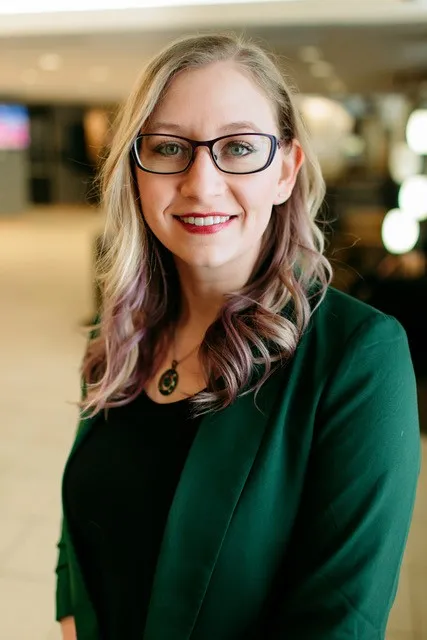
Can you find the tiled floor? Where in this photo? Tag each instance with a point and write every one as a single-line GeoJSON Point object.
{"type": "Point", "coordinates": [45, 292]}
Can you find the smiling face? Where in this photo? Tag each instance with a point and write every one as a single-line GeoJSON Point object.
{"type": "Point", "coordinates": [203, 104]}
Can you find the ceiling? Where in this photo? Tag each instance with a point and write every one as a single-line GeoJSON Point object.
{"type": "Point", "coordinates": [374, 46]}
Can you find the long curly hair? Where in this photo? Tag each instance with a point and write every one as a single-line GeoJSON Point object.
{"type": "Point", "coordinates": [258, 327]}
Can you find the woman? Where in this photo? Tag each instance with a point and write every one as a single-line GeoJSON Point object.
{"type": "Point", "coordinates": [247, 458]}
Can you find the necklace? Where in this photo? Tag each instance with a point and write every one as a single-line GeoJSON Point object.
{"type": "Point", "coordinates": [169, 379]}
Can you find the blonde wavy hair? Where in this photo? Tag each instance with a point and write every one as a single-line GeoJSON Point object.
{"type": "Point", "coordinates": [258, 326]}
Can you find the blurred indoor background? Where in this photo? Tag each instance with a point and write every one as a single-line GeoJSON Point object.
{"type": "Point", "coordinates": [361, 69]}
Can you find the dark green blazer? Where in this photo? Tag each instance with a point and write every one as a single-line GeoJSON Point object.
{"type": "Point", "coordinates": [290, 519]}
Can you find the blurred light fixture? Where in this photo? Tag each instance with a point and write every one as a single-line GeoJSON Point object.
{"type": "Point", "coordinates": [46, 6]}
{"type": "Point", "coordinates": [353, 145]}
{"type": "Point", "coordinates": [324, 116]}
{"type": "Point", "coordinates": [50, 62]}
{"type": "Point", "coordinates": [403, 162]}
{"type": "Point", "coordinates": [413, 197]}
{"type": "Point", "coordinates": [309, 54]}
{"type": "Point", "coordinates": [416, 131]}
{"type": "Point", "coordinates": [399, 232]}
{"type": "Point", "coordinates": [29, 76]}
{"type": "Point", "coordinates": [392, 108]}
{"type": "Point", "coordinates": [328, 123]}
{"type": "Point", "coordinates": [96, 127]}
{"type": "Point", "coordinates": [321, 69]}
{"type": "Point", "coordinates": [98, 73]}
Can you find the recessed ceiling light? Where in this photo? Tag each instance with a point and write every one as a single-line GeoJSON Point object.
{"type": "Point", "coordinates": [309, 54]}
{"type": "Point", "coordinates": [321, 69]}
{"type": "Point", "coordinates": [50, 62]}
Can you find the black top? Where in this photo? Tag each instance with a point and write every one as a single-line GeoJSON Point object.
{"type": "Point", "coordinates": [134, 458]}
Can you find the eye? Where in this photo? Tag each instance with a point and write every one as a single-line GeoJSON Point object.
{"type": "Point", "coordinates": [168, 148]}
{"type": "Point", "coordinates": [238, 148]}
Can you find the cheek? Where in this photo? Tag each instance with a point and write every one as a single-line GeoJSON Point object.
{"type": "Point", "coordinates": [153, 197]}
{"type": "Point", "coordinates": [258, 195]}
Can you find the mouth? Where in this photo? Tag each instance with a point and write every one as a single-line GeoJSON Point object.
{"type": "Point", "coordinates": [204, 224]}
{"type": "Point", "coordinates": [204, 220]}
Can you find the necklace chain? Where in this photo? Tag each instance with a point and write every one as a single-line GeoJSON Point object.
{"type": "Point", "coordinates": [169, 379]}
{"type": "Point", "coordinates": [177, 362]}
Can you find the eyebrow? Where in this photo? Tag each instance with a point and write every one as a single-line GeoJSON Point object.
{"type": "Point", "coordinates": [232, 126]}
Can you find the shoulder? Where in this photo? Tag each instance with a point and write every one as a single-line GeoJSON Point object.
{"type": "Point", "coordinates": [341, 319]}
{"type": "Point", "coordinates": [346, 338]}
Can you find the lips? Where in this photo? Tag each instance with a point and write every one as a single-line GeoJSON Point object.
{"type": "Point", "coordinates": [204, 223]}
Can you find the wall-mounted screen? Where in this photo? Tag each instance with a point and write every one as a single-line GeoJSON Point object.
{"type": "Point", "coordinates": [14, 126]}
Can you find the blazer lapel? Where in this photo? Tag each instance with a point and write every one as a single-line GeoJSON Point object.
{"type": "Point", "coordinates": [211, 483]}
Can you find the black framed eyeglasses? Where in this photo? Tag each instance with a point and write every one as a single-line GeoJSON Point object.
{"type": "Point", "coordinates": [239, 153]}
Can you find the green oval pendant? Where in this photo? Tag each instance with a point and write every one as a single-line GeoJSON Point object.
{"type": "Point", "coordinates": [168, 382]}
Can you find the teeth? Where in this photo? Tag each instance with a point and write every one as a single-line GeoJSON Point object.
{"type": "Point", "coordinates": [205, 222]}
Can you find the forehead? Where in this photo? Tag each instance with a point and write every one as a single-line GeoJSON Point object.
{"type": "Point", "coordinates": [208, 100]}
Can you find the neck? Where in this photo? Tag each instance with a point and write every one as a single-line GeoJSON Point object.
{"type": "Point", "coordinates": [204, 291]}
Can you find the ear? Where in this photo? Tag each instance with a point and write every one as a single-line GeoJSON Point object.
{"type": "Point", "coordinates": [292, 160]}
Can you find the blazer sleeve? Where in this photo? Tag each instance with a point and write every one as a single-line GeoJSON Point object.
{"type": "Point", "coordinates": [359, 494]}
{"type": "Point", "coordinates": [63, 587]}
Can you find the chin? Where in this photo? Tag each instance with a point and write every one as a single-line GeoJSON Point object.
{"type": "Point", "coordinates": [204, 261]}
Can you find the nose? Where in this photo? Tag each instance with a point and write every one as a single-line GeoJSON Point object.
{"type": "Point", "coordinates": [202, 180]}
